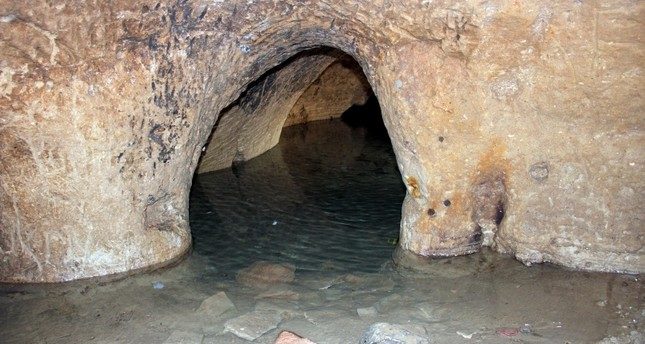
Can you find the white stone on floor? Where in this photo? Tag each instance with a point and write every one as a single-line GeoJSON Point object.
{"type": "Point", "coordinates": [252, 325]}
{"type": "Point", "coordinates": [366, 312]}
{"type": "Point", "coordinates": [216, 305]}
{"type": "Point", "coordinates": [384, 333]}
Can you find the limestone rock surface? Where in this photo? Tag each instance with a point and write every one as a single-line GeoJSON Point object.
{"type": "Point", "coordinates": [384, 333]}
{"type": "Point", "coordinates": [252, 325]}
{"type": "Point", "coordinates": [216, 305]}
{"type": "Point", "coordinates": [253, 125]}
{"type": "Point", "coordinates": [337, 88]}
{"type": "Point", "coordinates": [517, 125]}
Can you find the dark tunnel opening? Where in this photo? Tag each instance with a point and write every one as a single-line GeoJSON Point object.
{"type": "Point", "coordinates": [309, 200]}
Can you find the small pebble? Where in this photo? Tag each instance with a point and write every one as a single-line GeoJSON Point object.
{"type": "Point", "coordinates": [366, 312]}
{"type": "Point", "coordinates": [466, 335]}
{"type": "Point", "coordinates": [507, 331]}
{"type": "Point", "coordinates": [158, 285]}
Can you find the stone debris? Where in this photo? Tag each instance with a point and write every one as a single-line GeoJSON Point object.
{"type": "Point", "coordinates": [353, 279]}
{"type": "Point", "coordinates": [526, 328]}
{"type": "Point", "coordinates": [216, 305]}
{"type": "Point", "coordinates": [466, 335]}
{"type": "Point", "coordinates": [507, 331]}
{"type": "Point", "coordinates": [334, 294]}
{"type": "Point", "coordinates": [286, 337]}
{"type": "Point", "coordinates": [384, 333]}
{"type": "Point", "coordinates": [388, 303]}
{"type": "Point", "coordinates": [252, 325]}
{"type": "Point", "coordinates": [366, 312]}
{"type": "Point", "coordinates": [285, 309]}
{"type": "Point", "coordinates": [282, 294]}
{"type": "Point", "coordinates": [634, 337]}
{"type": "Point", "coordinates": [318, 316]}
{"type": "Point", "coordinates": [184, 337]}
{"type": "Point", "coordinates": [434, 312]}
{"type": "Point", "coordinates": [539, 171]}
{"type": "Point", "coordinates": [263, 274]}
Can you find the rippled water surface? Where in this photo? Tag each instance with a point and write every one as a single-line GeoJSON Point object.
{"type": "Point", "coordinates": [327, 197]}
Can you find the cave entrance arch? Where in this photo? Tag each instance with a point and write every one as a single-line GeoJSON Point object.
{"type": "Point", "coordinates": [320, 103]}
{"type": "Point", "coordinates": [252, 124]}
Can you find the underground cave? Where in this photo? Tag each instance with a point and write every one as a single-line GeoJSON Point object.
{"type": "Point", "coordinates": [321, 171]}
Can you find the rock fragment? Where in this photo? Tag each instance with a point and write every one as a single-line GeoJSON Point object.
{"type": "Point", "coordinates": [539, 171]}
{"type": "Point", "coordinates": [252, 325]}
{"type": "Point", "coordinates": [434, 312]}
{"type": "Point", "coordinates": [366, 312]}
{"type": "Point", "coordinates": [280, 294]}
{"type": "Point", "coordinates": [507, 331]}
{"type": "Point", "coordinates": [216, 305]}
{"type": "Point", "coordinates": [286, 337]}
{"type": "Point", "coordinates": [384, 333]}
{"type": "Point", "coordinates": [388, 303]}
{"type": "Point", "coordinates": [263, 274]}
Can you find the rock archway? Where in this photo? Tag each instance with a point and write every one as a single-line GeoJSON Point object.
{"type": "Point", "coordinates": [516, 125]}
{"type": "Point", "coordinates": [253, 123]}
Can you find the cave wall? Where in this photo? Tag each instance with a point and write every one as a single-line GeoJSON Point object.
{"type": "Point", "coordinates": [252, 125]}
{"type": "Point", "coordinates": [338, 88]}
{"type": "Point", "coordinates": [315, 85]}
{"type": "Point", "coordinates": [526, 116]}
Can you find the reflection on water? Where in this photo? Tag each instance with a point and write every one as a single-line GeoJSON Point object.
{"type": "Point", "coordinates": [328, 197]}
